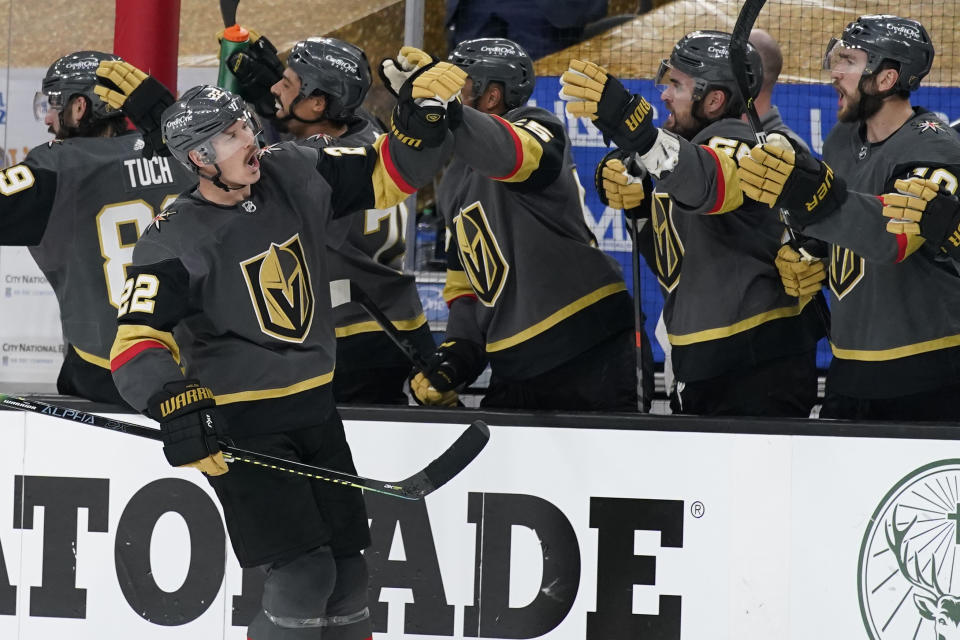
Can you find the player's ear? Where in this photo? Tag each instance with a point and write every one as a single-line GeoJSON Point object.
{"type": "Point", "coordinates": [196, 158]}
{"type": "Point", "coordinates": [78, 107]}
{"type": "Point", "coordinates": [714, 103]}
{"type": "Point", "coordinates": [493, 97]}
{"type": "Point", "coordinates": [318, 104]}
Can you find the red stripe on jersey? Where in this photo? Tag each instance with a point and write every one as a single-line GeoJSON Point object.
{"type": "Point", "coordinates": [133, 352]}
{"type": "Point", "coordinates": [901, 247]}
{"type": "Point", "coordinates": [721, 182]}
{"type": "Point", "coordinates": [465, 295]}
{"type": "Point", "coordinates": [517, 149]}
{"type": "Point", "coordinates": [392, 170]}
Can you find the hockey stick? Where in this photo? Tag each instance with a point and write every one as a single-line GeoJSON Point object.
{"type": "Point", "coordinates": [637, 311]}
{"type": "Point", "coordinates": [451, 462]}
{"type": "Point", "coordinates": [344, 291]}
{"type": "Point", "coordinates": [738, 64]}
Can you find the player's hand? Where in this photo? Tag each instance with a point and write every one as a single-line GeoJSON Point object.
{"type": "Point", "coordinates": [623, 185]}
{"type": "Point", "coordinates": [425, 394]}
{"type": "Point", "coordinates": [801, 273]}
{"type": "Point", "coordinates": [778, 176]}
{"type": "Point", "coordinates": [592, 93]}
{"type": "Point", "coordinates": [141, 97]}
{"type": "Point", "coordinates": [924, 208]}
{"type": "Point", "coordinates": [454, 365]}
{"type": "Point", "coordinates": [395, 71]}
{"type": "Point", "coordinates": [190, 426]}
{"type": "Point", "coordinates": [257, 68]}
{"type": "Point", "coordinates": [428, 105]}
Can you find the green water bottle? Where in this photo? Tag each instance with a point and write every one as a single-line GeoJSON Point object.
{"type": "Point", "coordinates": [235, 38]}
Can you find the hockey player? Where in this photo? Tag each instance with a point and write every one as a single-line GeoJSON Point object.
{"type": "Point", "coordinates": [317, 97]}
{"type": "Point", "coordinates": [526, 285]}
{"type": "Point", "coordinates": [896, 299]}
{"type": "Point", "coordinates": [231, 283]}
{"type": "Point", "coordinates": [80, 202]}
{"type": "Point", "coordinates": [740, 345]}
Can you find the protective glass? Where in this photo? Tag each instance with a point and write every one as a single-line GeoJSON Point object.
{"type": "Point", "coordinates": [843, 58]}
{"type": "Point", "coordinates": [232, 140]}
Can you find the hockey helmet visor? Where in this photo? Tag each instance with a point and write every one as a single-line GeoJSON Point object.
{"type": "Point", "coordinates": [237, 136]}
{"type": "Point", "coordinates": [842, 58]}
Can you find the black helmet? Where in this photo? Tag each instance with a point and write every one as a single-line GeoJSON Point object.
{"type": "Point", "coordinates": [335, 68]}
{"type": "Point", "coordinates": [488, 60]}
{"type": "Point", "coordinates": [705, 56]}
{"type": "Point", "coordinates": [902, 40]}
{"type": "Point", "coordinates": [191, 123]}
{"type": "Point", "coordinates": [76, 74]}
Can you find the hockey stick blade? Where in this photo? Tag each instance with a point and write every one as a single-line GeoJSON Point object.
{"type": "Point", "coordinates": [451, 462]}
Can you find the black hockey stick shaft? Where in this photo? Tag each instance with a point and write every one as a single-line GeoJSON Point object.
{"type": "Point", "coordinates": [637, 310]}
{"type": "Point", "coordinates": [451, 462]}
{"type": "Point", "coordinates": [360, 296]}
{"type": "Point", "coordinates": [738, 63]}
{"type": "Point", "coordinates": [228, 11]}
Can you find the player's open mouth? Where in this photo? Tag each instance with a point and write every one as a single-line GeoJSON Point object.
{"type": "Point", "coordinates": [253, 161]}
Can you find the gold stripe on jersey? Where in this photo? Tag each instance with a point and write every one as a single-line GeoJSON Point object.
{"type": "Point", "coordinates": [557, 317]}
{"type": "Point", "coordinates": [880, 355]}
{"type": "Point", "coordinates": [389, 187]}
{"type": "Point", "coordinates": [371, 326]}
{"type": "Point", "coordinates": [729, 195]}
{"type": "Point", "coordinates": [456, 286]}
{"type": "Point", "coordinates": [266, 394]}
{"type": "Point", "coordinates": [103, 363]}
{"type": "Point", "coordinates": [129, 335]}
{"type": "Point", "coordinates": [738, 327]}
{"type": "Point", "coordinates": [528, 139]}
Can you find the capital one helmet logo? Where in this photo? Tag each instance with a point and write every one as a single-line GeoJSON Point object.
{"type": "Point", "coordinates": [909, 574]}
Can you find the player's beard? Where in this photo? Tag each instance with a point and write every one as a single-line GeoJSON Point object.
{"type": "Point", "coordinates": [861, 107]}
{"type": "Point", "coordinates": [689, 125]}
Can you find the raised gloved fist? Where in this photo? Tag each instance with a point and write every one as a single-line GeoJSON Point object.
{"type": "Point", "coordinates": [427, 105]}
{"type": "Point", "coordinates": [257, 68]}
{"type": "Point", "coordinates": [424, 393]}
{"type": "Point", "coordinates": [621, 187]}
{"type": "Point", "coordinates": [141, 97]}
{"type": "Point", "coordinates": [801, 273]}
{"type": "Point", "coordinates": [924, 208]}
{"type": "Point", "coordinates": [190, 426]}
{"type": "Point", "coordinates": [624, 118]}
{"type": "Point", "coordinates": [395, 71]}
{"type": "Point", "coordinates": [777, 176]}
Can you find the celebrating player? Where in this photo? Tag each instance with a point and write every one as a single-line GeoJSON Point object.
{"type": "Point", "coordinates": [317, 98]}
{"type": "Point", "coordinates": [527, 287]}
{"type": "Point", "coordinates": [80, 202]}
{"type": "Point", "coordinates": [896, 298]}
{"type": "Point", "coordinates": [231, 283]}
{"type": "Point", "coordinates": [740, 344]}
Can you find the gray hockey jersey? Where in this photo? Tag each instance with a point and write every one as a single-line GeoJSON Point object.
{"type": "Point", "coordinates": [88, 201]}
{"type": "Point", "coordinates": [368, 249]}
{"type": "Point", "coordinates": [895, 301]}
{"type": "Point", "coordinates": [519, 246]}
{"type": "Point", "coordinates": [724, 304]}
{"type": "Point", "coordinates": [238, 296]}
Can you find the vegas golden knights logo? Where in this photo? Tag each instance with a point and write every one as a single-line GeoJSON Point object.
{"type": "Point", "coordinates": [279, 283]}
{"type": "Point", "coordinates": [846, 270]}
{"type": "Point", "coordinates": [480, 254]}
{"type": "Point", "coordinates": [667, 246]}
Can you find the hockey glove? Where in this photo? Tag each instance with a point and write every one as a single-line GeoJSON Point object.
{"type": "Point", "coordinates": [190, 425]}
{"type": "Point", "coordinates": [428, 103]}
{"type": "Point", "coordinates": [777, 176]}
{"type": "Point", "coordinates": [257, 68]}
{"type": "Point", "coordinates": [455, 364]}
{"type": "Point", "coordinates": [395, 71]}
{"type": "Point", "coordinates": [624, 118]}
{"type": "Point", "coordinates": [924, 208]}
{"type": "Point", "coordinates": [801, 273]}
{"type": "Point", "coordinates": [623, 188]}
{"type": "Point", "coordinates": [141, 97]}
